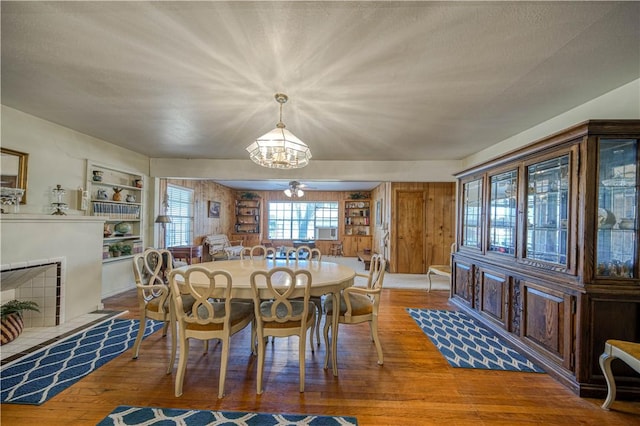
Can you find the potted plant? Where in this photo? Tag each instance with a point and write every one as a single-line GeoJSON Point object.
{"type": "Point", "coordinates": [115, 249]}
{"type": "Point", "coordinates": [11, 324]}
{"type": "Point", "coordinates": [248, 195]}
{"type": "Point", "coordinates": [358, 195]}
{"type": "Point", "coordinates": [125, 250]}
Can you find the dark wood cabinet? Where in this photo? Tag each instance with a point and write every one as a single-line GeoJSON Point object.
{"type": "Point", "coordinates": [547, 249]}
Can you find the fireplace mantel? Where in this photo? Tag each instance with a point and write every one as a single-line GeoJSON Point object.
{"type": "Point", "coordinates": [38, 218]}
{"type": "Point", "coordinates": [28, 238]}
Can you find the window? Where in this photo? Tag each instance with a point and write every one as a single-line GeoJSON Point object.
{"type": "Point", "coordinates": [180, 231]}
{"type": "Point", "coordinates": [300, 220]}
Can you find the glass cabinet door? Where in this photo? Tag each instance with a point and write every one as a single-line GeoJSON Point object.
{"type": "Point", "coordinates": [617, 219]}
{"type": "Point", "coordinates": [502, 212]}
{"type": "Point", "coordinates": [472, 213]}
{"type": "Point", "coordinates": [547, 210]}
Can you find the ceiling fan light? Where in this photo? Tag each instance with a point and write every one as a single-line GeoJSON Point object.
{"type": "Point", "coordinates": [294, 190]}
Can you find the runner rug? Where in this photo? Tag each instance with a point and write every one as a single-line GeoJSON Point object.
{"type": "Point", "coordinates": [125, 415]}
{"type": "Point", "coordinates": [35, 378]}
{"type": "Point", "coordinates": [467, 344]}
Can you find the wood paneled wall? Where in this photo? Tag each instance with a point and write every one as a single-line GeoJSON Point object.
{"type": "Point", "coordinates": [439, 216]}
{"type": "Point", "coordinates": [205, 191]}
{"type": "Point", "coordinates": [339, 196]}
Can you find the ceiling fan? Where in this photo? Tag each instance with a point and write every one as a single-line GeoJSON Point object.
{"type": "Point", "coordinates": [295, 189]}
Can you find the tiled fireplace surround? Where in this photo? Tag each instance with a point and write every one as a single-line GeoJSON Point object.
{"type": "Point", "coordinates": [40, 281]}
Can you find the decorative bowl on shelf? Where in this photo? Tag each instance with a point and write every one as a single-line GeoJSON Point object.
{"type": "Point", "coordinates": [606, 219]}
{"type": "Point", "coordinates": [626, 224]}
{"type": "Point", "coordinates": [123, 228]}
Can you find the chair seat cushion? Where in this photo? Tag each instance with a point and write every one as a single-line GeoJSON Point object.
{"type": "Point", "coordinates": [153, 305]}
{"type": "Point", "coordinates": [360, 305]}
{"type": "Point", "coordinates": [281, 312]}
{"type": "Point", "coordinates": [239, 312]}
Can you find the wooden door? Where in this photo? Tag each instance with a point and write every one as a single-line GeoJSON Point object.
{"type": "Point", "coordinates": [410, 232]}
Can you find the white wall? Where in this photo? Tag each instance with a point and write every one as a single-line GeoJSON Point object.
{"type": "Point", "coordinates": [375, 171]}
{"type": "Point", "coordinates": [58, 155]}
{"type": "Point", "coordinates": [620, 103]}
{"type": "Point", "coordinates": [29, 238]}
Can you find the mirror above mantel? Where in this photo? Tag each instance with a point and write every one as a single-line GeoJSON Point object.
{"type": "Point", "coordinates": [14, 172]}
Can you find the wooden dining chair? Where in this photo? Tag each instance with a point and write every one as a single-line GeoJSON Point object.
{"type": "Point", "coordinates": [256, 252]}
{"type": "Point", "coordinates": [313, 254]}
{"type": "Point", "coordinates": [282, 309]}
{"type": "Point", "coordinates": [214, 315]}
{"type": "Point", "coordinates": [308, 253]}
{"type": "Point", "coordinates": [336, 249]}
{"type": "Point", "coordinates": [358, 305]}
{"type": "Point", "coordinates": [374, 267]}
{"type": "Point", "coordinates": [150, 271]}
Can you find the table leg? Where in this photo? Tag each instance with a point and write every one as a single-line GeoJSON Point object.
{"type": "Point", "coordinates": [334, 333]}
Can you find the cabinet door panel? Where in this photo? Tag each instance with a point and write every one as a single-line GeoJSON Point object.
{"type": "Point", "coordinates": [502, 212]}
{"type": "Point", "coordinates": [547, 322]}
{"type": "Point", "coordinates": [550, 205]}
{"type": "Point", "coordinates": [349, 246]}
{"type": "Point", "coordinates": [617, 222]}
{"type": "Point", "coordinates": [463, 282]}
{"type": "Point", "coordinates": [471, 214]}
{"type": "Point", "coordinates": [494, 290]}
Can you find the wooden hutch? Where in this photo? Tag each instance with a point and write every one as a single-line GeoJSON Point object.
{"type": "Point", "coordinates": [547, 250]}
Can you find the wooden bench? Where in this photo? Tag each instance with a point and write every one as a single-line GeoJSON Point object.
{"type": "Point", "coordinates": [366, 258]}
{"type": "Point", "coordinates": [628, 352]}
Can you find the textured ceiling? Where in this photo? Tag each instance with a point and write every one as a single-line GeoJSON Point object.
{"type": "Point", "coordinates": [365, 80]}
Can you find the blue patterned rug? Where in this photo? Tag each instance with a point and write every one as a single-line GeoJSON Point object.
{"type": "Point", "coordinates": [40, 376]}
{"type": "Point", "coordinates": [125, 415]}
{"type": "Point", "coordinates": [466, 344]}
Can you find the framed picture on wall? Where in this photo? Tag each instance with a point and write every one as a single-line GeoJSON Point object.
{"type": "Point", "coordinates": [379, 212]}
{"type": "Point", "coordinates": [214, 209]}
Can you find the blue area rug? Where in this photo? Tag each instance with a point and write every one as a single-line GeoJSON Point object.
{"type": "Point", "coordinates": [125, 415]}
{"type": "Point", "coordinates": [42, 375]}
{"type": "Point", "coordinates": [467, 344]}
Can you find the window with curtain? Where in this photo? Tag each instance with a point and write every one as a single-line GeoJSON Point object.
{"type": "Point", "coordinates": [300, 220]}
{"type": "Point", "coordinates": [180, 231]}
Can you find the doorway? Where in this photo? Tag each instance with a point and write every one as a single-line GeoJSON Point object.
{"type": "Point", "coordinates": [410, 232]}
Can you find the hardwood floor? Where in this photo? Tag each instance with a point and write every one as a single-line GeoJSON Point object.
{"type": "Point", "coordinates": [415, 386]}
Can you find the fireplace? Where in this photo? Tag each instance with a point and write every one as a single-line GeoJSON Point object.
{"type": "Point", "coordinates": [55, 261]}
{"type": "Point", "coordinates": [40, 281]}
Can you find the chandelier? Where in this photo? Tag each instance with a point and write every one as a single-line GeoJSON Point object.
{"type": "Point", "coordinates": [294, 190]}
{"type": "Point", "coordinates": [279, 149]}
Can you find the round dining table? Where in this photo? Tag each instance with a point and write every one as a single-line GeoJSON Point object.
{"type": "Point", "coordinates": [327, 278]}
